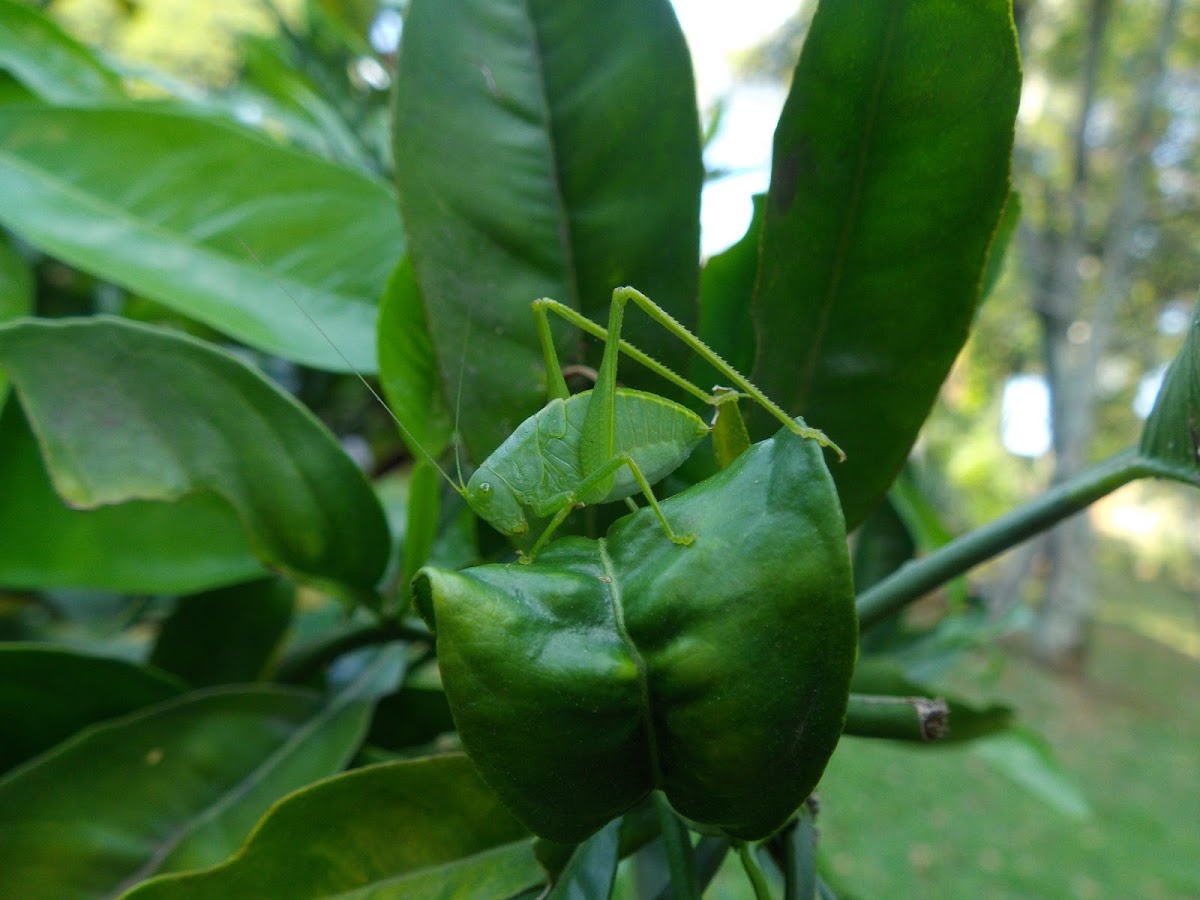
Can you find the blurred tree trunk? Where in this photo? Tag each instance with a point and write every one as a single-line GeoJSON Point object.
{"type": "Point", "coordinates": [1077, 323]}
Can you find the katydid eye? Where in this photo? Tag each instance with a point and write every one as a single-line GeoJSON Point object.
{"type": "Point", "coordinates": [485, 488]}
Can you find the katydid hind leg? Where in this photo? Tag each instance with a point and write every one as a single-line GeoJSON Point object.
{"type": "Point", "coordinates": [639, 356]}
{"type": "Point", "coordinates": [597, 442]}
{"type": "Point", "coordinates": [701, 349]}
{"type": "Point", "coordinates": [556, 382]}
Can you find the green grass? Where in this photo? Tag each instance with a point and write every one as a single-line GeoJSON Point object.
{"type": "Point", "coordinates": [941, 822]}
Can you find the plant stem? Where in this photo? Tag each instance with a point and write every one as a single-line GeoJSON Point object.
{"type": "Point", "coordinates": [913, 580]}
{"type": "Point", "coordinates": [754, 871]}
{"type": "Point", "coordinates": [897, 718]}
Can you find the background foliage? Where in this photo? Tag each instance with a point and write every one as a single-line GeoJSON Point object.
{"type": "Point", "coordinates": [195, 577]}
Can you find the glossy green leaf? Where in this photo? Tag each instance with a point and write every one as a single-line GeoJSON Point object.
{"type": "Point", "coordinates": [417, 830]}
{"type": "Point", "coordinates": [49, 693]}
{"type": "Point", "coordinates": [1171, 438]}
{"type": "Point", "coordinates": [919, 514]}
{"type": "Point", "coordinates": [16, 283]}
{"type": "Point", "coordinates": [51, 63]}
{"type": "Point", "coordinates": [711, 854]}
{"type": "Point", "coordinates": [716, 672]}
{"type": "Point", "coordinates": [799, 844]}
{"type": "Point", "coordinates": [924, 522]}
{"type": "Point", "coordinates": [12, 92]}
{"type": "Point", "coordinates": [410, 717]}
{"type": "Point", "coordinates": [678, 849]}
{"type": "Point", "coordinates": [543, 149]}
{"type": "Point", "coordinates": [592, 868]}
{"type": "Point", "coordinates": [890, 174]}
{"type": "Point", "coordinates": [882, 544]}
{"type": "Point", "coordinates": [320, 746]}
{"type": "Point", "coordinates": [926, 655]}
{"type": "Point", "coordinates": [287, 96]}
{"type": "Point", "coordinates": [1006, 230]}
{"type": "Point", "coordinates": [16, 294]}
{"type": "Point", "coordinates": [174, 785]}
{"type": "Point", "coordinates": [407, 368]}
{"type": "Point", "coordinates": [726, 292]}
{"type": "Point", "coordinates": [352, 19]}
{"type": "Point", "coordinates": [421, 519]}
{"type": "Point", "coordinates": [167, 205]}
{"type": "Point", "coordinates": [140, 547]}
{"type": "Point", "coordinates": [225, 635]}
{"type": "Point", "coordinates": [127, 412]}
{"type": "Point", "coordinates": [1029, 761]}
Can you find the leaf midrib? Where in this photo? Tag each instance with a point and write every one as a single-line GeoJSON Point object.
{"type": "Point", "coordinates": [853, 211]}
{"type": "Point", "coordinates": [639, 661]}
{"type": "Point", "coordinates": [565, 233]}
{"type": "Point", "coordinates": [252, 779]}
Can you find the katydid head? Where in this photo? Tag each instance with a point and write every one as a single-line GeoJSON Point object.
{"type": "Point", "coordinates": [494, 502]}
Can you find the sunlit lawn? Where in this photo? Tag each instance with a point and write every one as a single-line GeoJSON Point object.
{"type": "Point", "coordinates": [899, 822]}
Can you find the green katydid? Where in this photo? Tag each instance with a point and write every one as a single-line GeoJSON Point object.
{"type": "Point", "coordinates": [601, 445]}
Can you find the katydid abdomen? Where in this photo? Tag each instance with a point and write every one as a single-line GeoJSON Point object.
{"type": "Point", "coordinates": [538, 470]}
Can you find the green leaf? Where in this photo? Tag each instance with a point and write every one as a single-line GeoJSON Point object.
{"type": "Point", "coordinates": [421, 519]}
{"type": "Point", "coordinates": [799, 844]}
{"type": "Point", "coordinates": [225, 635]}
{"type": "Point", "coordinates": [678, 849]}
{"type": "Point", "coordinates": [177, 784]}
{"type": "Point", "coordinates": [167, 205]}
{"type": "Point", "coordinates": [140, 547]}
{"type": "Point", "coordinates": [48, 693]}
{"type": "Point", "coordinates": [12, 92]}
{"type": "Point", "coordinates": [1171, 438]}
{"type": "Point", "coordinates": [890, 174]}
{"type": "Point", "coordinates": [543, 149]}
{"type": "Point", "coordinates": [726, 291]}
{"type": "Point", "coordinates": [321, 746]}
{"type": "Point", "coordinates": [716, 672]}
{"type": "Point", "coordinates": [16, 294]}
{"type": "Point", "coordinates": [882, 544]}
{"type": "Point", "coordinates": [419, 830]}
{"type": "Point", "coordinates": [288, 96]}
{"type": "Point", "coordinates": [924, 523]}
{"type": "Point", "coordinates": [998, 252]}
{"type": "Point", "coordinates": [407, 368]}
{"type": "Point", "coordinates": [16, 283]}
{"type": "Point", "coordinates": [592, 868]}
{"type": "Point", "coordinates": [410, 717]}
{"type": "Point", "coordinates": [128, 412]}
{"type": "Point", "coordinates": [711, 852]}
{"type": "Point", "coordinates": [1028, 760]}
{"type": "Point", "coordinates": [51, 63]}
{"type": "Point", "coordinates": [927, 654]}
